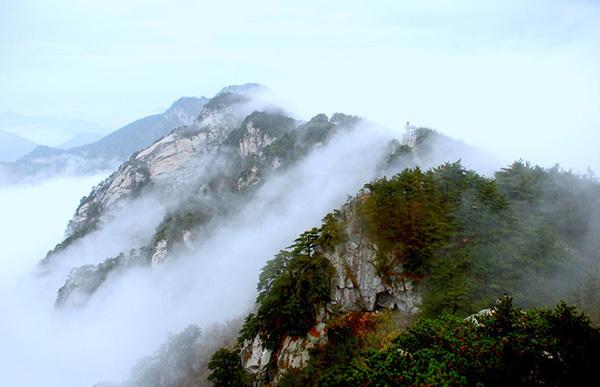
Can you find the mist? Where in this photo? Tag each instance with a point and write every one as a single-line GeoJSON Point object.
{"type": "Point", "coordinates": [131, 314]}
{"type": "Point", "coordinates": [212, 281]}
{"type": "Point", "coordinates": [33, 219]}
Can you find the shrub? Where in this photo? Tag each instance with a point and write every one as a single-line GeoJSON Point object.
{"type": "Point", "coordinates": [508, 347]}
{"type": "Point", "coordinates": [226, 369]}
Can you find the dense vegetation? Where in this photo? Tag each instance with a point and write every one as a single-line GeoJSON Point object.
{"type": "Point", "coordinates": [293, 287]}
{"type": "Point", "coordinates": [286, 142]}
{"type": "Point", "coordinates": [173, 225]}
{"type": "Point", "coordinates": [226, 369]}
{"type": "Point", "coordinates": [463, 239]}
{"type": "Point", "coordinates": [470, 238]}
{"type": "Point", "coordinates": [505, 347]}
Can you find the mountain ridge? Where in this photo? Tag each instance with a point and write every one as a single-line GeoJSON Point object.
{"type": "Point", "coordinates": [110, 150]}
{"type": "Point", "coordinates": [424, 236]}
{"type": "Point", "coordinates": [13, 146]}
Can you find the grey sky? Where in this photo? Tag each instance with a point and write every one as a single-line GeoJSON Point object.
{"type": "Point", "coordinates": [521, 78]}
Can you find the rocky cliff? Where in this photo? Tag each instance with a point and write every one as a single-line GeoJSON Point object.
{"type": "Point", "coordinates": [357, 285]}
{"type": "Point", "coordinates": [203, 171]}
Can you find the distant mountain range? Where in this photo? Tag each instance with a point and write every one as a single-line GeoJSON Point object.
{"type": "Point", "coordinates": [12, 146]}
{"type": "Point", "coordinates": [50, 131]}
{"type": "Point", "coordinates": [80, 139]}
{"type": "Point", "coordinates": [106, 152]}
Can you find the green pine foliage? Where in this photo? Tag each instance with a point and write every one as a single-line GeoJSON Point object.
{"type": "Point", "coordinates": [292, 288]}
{"type": "Point", "coordinates": [173, 225]}
{"type": "Point", "coordinates": [466, 238]}
{"type": "Point", "coordinates": [226, 370]}
{"type": "Point", "coordinates": [462, 239]}
{"type": "Point", "coordinates": [407, 216]}
{"type": "Point", "coordinates": [294, 285]}
{"type": "Point", "coordinates": [425, 224]}
{"type": "Point", "coordinates": [509, 347]}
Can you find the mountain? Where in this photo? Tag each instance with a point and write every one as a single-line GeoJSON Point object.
{"type": "Point", "coordinates": [425, 249]}
{"type": "Point", "coordinates": [80, 139]}
{"type": "Point", "coordinates": [139, 134]}
{"type": "Point", "coordinates": [49, 131]}
{"type": "Point", "coordinates": [108, 151]}
{"type": "Point", "coordinates": [428, 244]}
{"type": "Point", "coordinates": [421, 244]}
{"type": "Point", "coordinates": [13, 147]}
{"type": "Point", "coordinates": [242, 147]}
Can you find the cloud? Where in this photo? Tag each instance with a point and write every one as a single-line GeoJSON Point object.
{"type": "Point", "coordinates": [130, 316]}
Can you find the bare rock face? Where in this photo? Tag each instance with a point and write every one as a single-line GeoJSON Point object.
{"type": "Point", "coordinates": [292, 354]}
{"type": "Point", "coordinates": [161, 163]}
{"type": "Point", "coordinates": [160, 253]}
{"type": "Point", "coordinates": [255, 357]}
{"type": "Point", "coordinates": [168, 161]}
{"type": "Point", "coordinates": [254, 141]}
{"type": "Point", "coordinates": [83, 281]}
{"type": "Point", "coordinates": [358, 286]}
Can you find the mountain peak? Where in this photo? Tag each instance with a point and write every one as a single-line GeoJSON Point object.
{"type": "Point", "coordinates": [187, 103]}
{"type": "Point", "coordinates": [244, 89]}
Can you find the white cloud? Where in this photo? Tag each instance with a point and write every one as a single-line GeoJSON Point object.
{"type": "Point", "coordinates": [130, 315]}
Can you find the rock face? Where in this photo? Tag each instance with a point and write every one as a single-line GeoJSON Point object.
{"type": "Point", "coordinates": [292, 354]}
{"type": "Point", "coordinates": [254, 141]}
{"type": "Point", "coordinates": [160, 252]}
{"type": "Point", "coordinates": [255, 357]}
{"type": "Point", "coordinates": [164, 162]}
{"type": "Point", "coordinates": [201, 172]}
{"type": "Point", "coordinates": [357, 286]}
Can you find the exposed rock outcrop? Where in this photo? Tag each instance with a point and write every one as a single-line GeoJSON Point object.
{"type": "Point", "coordinates": [83, 281]}
{"type": "Point", "coordinates": [255, 357]}
{"type": "Point", "coordinates": [199, 171]}
{"type": "Point", "coordinates": [293, 352]}
{"type": "Point", "coordinates": [160, 252]}
{"type": "Point", "coordinates": [166, 162]}
{"type": "Point", "coordinates": [358, 285]}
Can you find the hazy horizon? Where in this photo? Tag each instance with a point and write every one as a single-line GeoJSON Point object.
{"type": "Point", "coordinates": [519, 79]}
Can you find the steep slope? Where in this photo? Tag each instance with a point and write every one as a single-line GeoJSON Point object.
{"type": "Point", "coordinates": [167, 162]}
{"type": "Point", "coordinates": [420, 244]}
{"type": "Point", "coordinates": [139, 134]}
{"type": "Point", "coordinates": [423, 249]}
{"type": "Point", "coordinates": [241, 175]}
{"type": "Point", "coordinates": [236, 151]}
{"type": "Point", "coordinates": [13, 147]}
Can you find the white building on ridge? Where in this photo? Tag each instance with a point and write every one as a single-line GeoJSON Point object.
{"type": "Point", "coordinates": [409, 138]}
